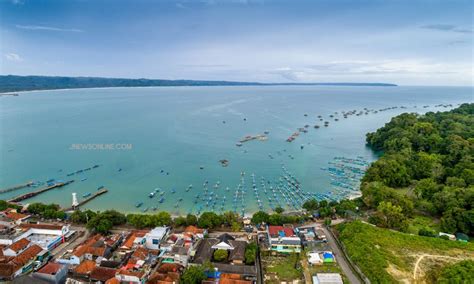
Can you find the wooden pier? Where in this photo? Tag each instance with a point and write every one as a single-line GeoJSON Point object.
{"type": "Point", "coordinates": [99, 192]}
{"type": "Point", "coordinates": [39, 191]}
{"type": "Point", "coordinates": [16, 187]}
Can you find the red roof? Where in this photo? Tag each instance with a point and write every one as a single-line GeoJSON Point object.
{"type": "Point", "coordinates": [41, 226]}
{"type": "Point", "coordinates": [50, 268]}
{"type": "Point", "coordinates": [275, 231]}
{"type": "Point", "coordinates": [15, 216]}
{"type": "Point", "coordinates": [19, 245]}
{"type": "Point", "coordinates": [103, 273]}
{"type": "Point", "coordinates": [27, 255]}
{"type": "Point", "coordinates": [85, 267]}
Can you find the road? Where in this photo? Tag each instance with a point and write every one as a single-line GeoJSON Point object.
{"type": "Point", "coordinates": [62, 249]}
{"type": "Point", "coordinates": [341, 260]}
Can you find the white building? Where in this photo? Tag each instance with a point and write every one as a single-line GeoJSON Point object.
{"type": "Point", "coordinates": [327, 278]}
{"type": "Point", "coordinates": [154, 238]}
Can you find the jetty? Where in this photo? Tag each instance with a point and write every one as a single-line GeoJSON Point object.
{"type": "Point", "coordinates": [84, 201]}
{"type": "Point", "coordinates": [39, 191]}
{"type": "Point", "coordinates": [16, 187]}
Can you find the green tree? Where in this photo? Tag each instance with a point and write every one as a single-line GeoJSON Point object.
{"type": "Point", "coordinates": [220, 255]}
{"type": "Point", "coordinates": [251, 253]}
{"type": "Point", "coordinates": [191, 219]}
{"type": "Point", "coordinates": [391, 216]}
{"type": "Point", "coordinates": [194, 274]}
{"type": "Point", "coordinates": [311, 205]}
{"type": "Point", "coordinates": [209, 220]}
{"type": "Point", "coordinates": [279, 210]}
{"type": "Point", "coordinates": [180, 221]}
{"type": "Point", "coordinates": [260, 217]}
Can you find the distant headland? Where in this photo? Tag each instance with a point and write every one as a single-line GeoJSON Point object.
{"type": "Point", "coordinates": [14, 83]}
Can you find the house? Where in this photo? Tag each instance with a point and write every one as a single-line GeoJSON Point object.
{"type": "Point", "coordinates": [129, 276]}
{"type": "Point", "coordinates": [47, 236]}
{"type": "Point", "coordinates": [93, 248]}
{"type": "Point", "coordinates": [84, 269]}
{"type": "Point", "coordinates": [195, 232]}
{"type": "Point", "coordinates": [11, 267]}
{"type": "Point", "coordinates": [16, 248]}
{"type": "Point", "coordinates": [13, 216]}
{"type": "Point", "coordinates": [327, 278]}
{"type": "Point", "coordinates": [167, 273]}
{"type": "Point", "coordinates": [229, 278]}
{"type": "Point", "coordinates": [154, 238]}
{"type": "Point", "coordinates": [102, 274]}
{"type": "Point", "coordinates": [134, 239]}
{"type": "Point", "coordinates": [314, 258]}
{"type": "Point", "coordinates": [206, 247]}
{"type": "Point", "coordinates": [54, 273]}
{"type": "Point", "coordinates": [283, 239]}
{"type": "Point", "coordinates": [178, 253]}
{"type": "Point", "coordinates": [234, 264]}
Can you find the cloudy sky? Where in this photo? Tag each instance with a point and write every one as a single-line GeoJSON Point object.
{"type": "Point", "coordinates": [403, 42]}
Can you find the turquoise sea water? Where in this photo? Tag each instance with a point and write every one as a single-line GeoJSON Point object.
{"type": "Point", "coordinates": [177, 130]}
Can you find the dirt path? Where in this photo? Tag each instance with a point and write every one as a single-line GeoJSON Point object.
{"type": "Point", "coordinates": [421, 257]}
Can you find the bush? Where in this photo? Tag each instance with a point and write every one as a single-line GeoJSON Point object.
{"type": "Point", "coordinates": [220, 255]}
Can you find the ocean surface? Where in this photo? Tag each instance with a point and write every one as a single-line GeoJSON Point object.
{"type": "Point", "coordinates": [168, 138]}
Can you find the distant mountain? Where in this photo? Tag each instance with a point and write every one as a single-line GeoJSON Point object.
{"type": "Point", "coordinates": [13, 83]}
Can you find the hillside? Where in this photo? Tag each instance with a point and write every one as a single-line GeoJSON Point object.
{"type": "Point", "coordinates": [387, 256]}
{"type": "Point", "coordinates": [13, 83]}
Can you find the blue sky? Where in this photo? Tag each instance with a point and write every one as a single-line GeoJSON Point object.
{"type": "Point", "coordinates": [404, 42]}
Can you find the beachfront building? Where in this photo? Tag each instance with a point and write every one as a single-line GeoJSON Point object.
{"type": "Point", "coordinates": [53, 273]}
{"type": "Point", "coordinates": [154, 238]}
{"type": "Point", "coordinates": [47, 236]}
{"type": "Point", "coordinates": [283, 239]}
{"type": "Point", "coordinates": [23, 262]}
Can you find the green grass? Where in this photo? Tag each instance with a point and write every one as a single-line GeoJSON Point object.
{"type": "Point", "coordinates": [374, 249]}
{"type": "Point", "coordinates": [422, 222]}
{"type": "Point", "coordinates": [284, 267]}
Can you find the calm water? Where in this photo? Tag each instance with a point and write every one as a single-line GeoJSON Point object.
{"type": "Point", "coordinates": [180, 129]}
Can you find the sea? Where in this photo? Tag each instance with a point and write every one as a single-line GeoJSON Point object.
{"type": "Point", "coordinates": [176, 149]}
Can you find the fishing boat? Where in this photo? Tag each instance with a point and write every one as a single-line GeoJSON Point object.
{"type": "Point", "coordinates": [145, 209]}
{"type": "Point", "coordinates": [162, 200]}
{"type": "Point", "coordinates": [100, 187]}
{"type": "Point", "coordinates": [83, 179]}
{"type": "Point", "coordinates": [95, 166]}
{"type": "Point", "coordinates": [86, 194]}
{"type": "Point", "coordinates": [120, 169]}
{"type": "Point", "coordinates": [152, 194]}
{"type": "Point", "coordinates": [139, 204]}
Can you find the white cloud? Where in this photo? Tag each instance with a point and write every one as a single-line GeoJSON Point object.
{"type": "Point", "coordinates": [13, 57]}
{"type": "Point", "coordinates": [47, 28]}
{"type": "Point", "coordinates": [368, 70]}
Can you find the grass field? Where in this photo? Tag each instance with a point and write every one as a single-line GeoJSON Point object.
{"type": "Point", "coordinates": [387, 256]}
{"type": "Point", "coordinates": [284, 268]}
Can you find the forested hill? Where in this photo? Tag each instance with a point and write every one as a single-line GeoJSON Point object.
{"type": "Point", "coordinates": [427, 168]}
{"type": "Point", "coordinates": [13, 83]}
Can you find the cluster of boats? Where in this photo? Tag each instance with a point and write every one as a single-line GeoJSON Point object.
{"type": "Point", "coordinates": [82, 170]}
{"type": "Point", "coordinates": [345, 174]}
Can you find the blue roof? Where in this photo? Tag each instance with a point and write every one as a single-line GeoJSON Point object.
{"type": "Point", "coordinates": [281, 233]}
{"type": "Point", "coordinates": [327, 255]}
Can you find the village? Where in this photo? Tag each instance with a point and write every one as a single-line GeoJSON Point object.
{"type": "Point", "coordinates": [34, 250]}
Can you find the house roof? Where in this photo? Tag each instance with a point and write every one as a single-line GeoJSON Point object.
{"type": "Point", "coordinates": [15, 216]}
{"type": "Point", "coordinates": [138, 274]}
{"type": "Point", "coordinates": [112, 281]}
{"type": "Point", "coordinates": [103, 273]}
{"type": "Point", "coordinates": [225, 238]}
{"type": "Point", "coordinates": [248, 270]}
{"type": "Point", "coordinates": [51, 268]}
{"type": "Point", "coordinates": [204, 250]}
{"type": "Point", "coordinates": [95, 246]}
{"type": "Point", "coordinates": [19, 245]}
{"type": "Point", "coordinates": [128, 243]}
{"type": "Point", "coordinates": [280, 231]}
{"type": "Point", "coordinates": [194, 230]}
{"type": "Point", "coordinates": [169, 267]}
{"type": "Point", "coordinates": [41, 226]}
{"type": "Point", "coordinates": [85, 267]}
{"type": "Point", "coordinates": [27, 255]}
{"type": "Point", "coordinates": [238, 253]}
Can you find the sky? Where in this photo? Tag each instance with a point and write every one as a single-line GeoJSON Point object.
{"type": "Point", "coordinates": [403, 42]}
